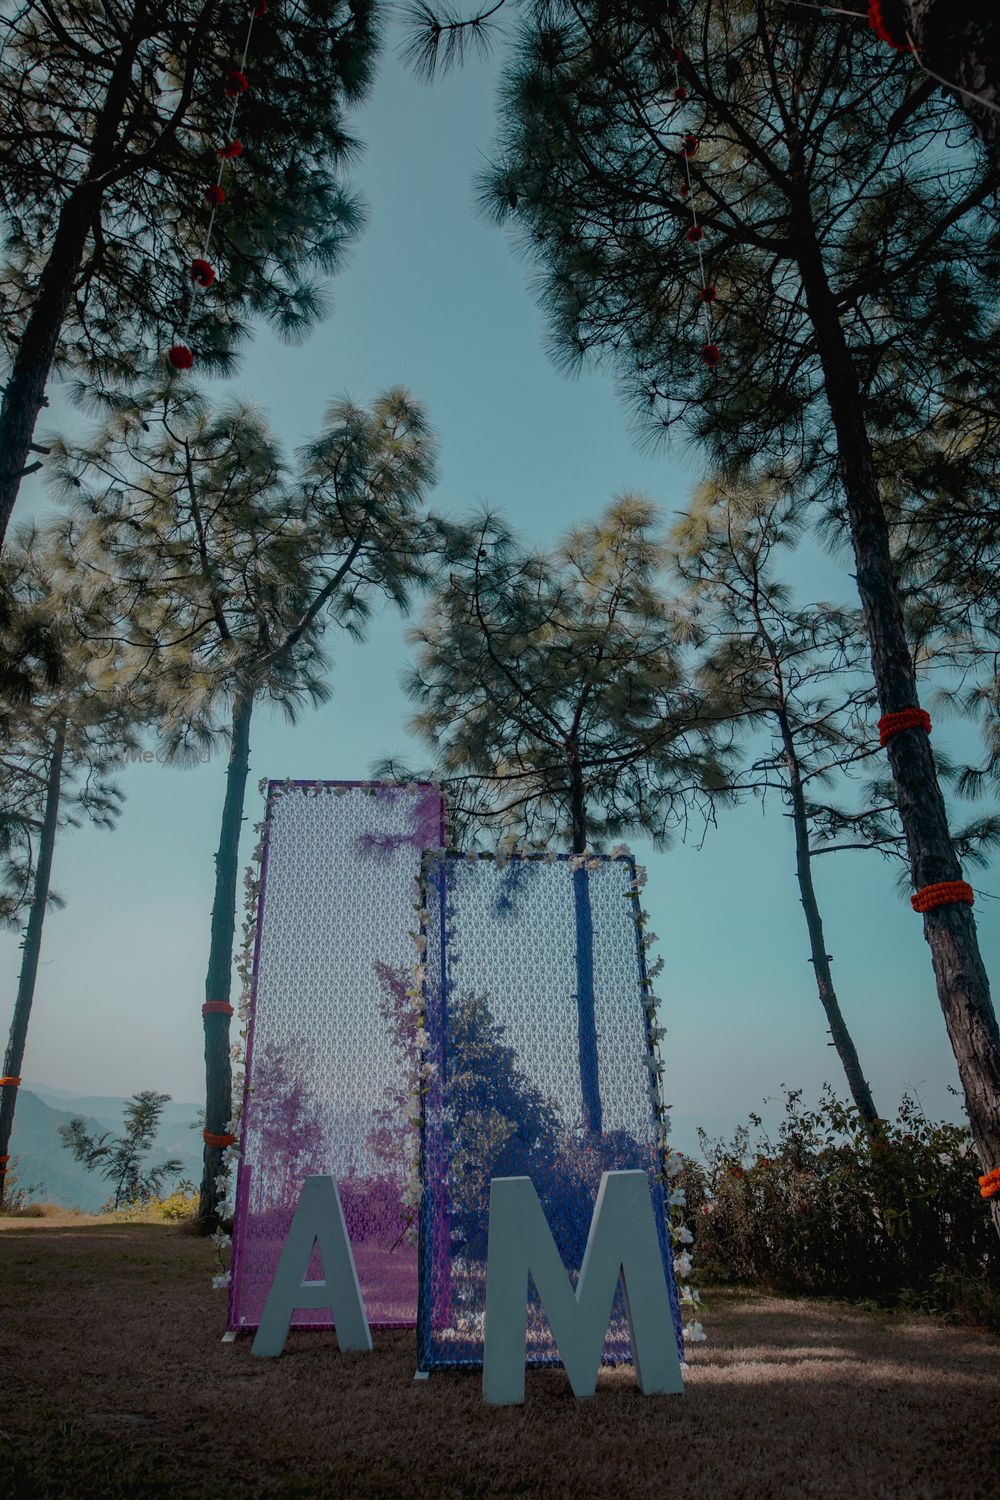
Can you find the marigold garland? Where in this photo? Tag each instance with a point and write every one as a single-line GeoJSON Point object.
{"type": "Point", "coordinates": [989, 1184]}
{"type": "Point", "coordinates": [10, 1082]}
{"type": "Point", "coordinates": [942, 893]}
{"type": "Point", "coordinates": [4, 1160]}
{"type": "Point", "coordinates": [217, 1008]}
{"type": "Point", "coordinates": [906, 718]}
{"type": "Point", "coordinates": [221, 1141]}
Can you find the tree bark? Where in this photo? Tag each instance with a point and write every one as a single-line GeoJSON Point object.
{"type": "Point", "coordinates": [218, 980]}
{"type": "Point", "coordinates": [14, 1056]}
{"type": "Point", "coordinates": [964, 50]}
{"type": "Point", "coordinates": [590, 1083]}
{"type": "Point", "coordinates": [950, 931]}
{"type": "Point", "coordinates": [820, 960]}
{"type": "Point", "coordinates": [32, 364]}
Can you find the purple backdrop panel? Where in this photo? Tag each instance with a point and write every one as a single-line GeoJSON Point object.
{"type": "Point", "coordinates": [538, 1033]}
{"type": "Point", "coordinates": [327, 1072]}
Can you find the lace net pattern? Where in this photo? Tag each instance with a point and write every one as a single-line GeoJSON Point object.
{"type": "Point", "coordinates": [327, 1068]}
{"type": "Point", "coordinates": [539, 1043]}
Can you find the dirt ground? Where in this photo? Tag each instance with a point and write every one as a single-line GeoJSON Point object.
{"type": "Point", "coordinates": [114, 1382]}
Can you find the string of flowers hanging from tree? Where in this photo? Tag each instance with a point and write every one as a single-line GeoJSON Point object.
{"type": "Point", "coordinates": [201, 272]}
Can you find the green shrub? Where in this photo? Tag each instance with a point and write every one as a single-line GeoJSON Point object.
{"type": "Point", "coordinates": [828, 1209]}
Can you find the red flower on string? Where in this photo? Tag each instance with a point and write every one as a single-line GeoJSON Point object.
{"type": "Point", "coordinates": [675, 54]}
{"type": "Point", "coordinates": [237, 83]}
{"type": "Point", "coordinates": [235, 148]}
{"type": "Point", "coordinates": [260, 10]}
{"type": "Point", "coordinates": [887, 20]}
{"type": "Point", "coordinates": [689, 146]}
{"type": "Point", "coordinates": [684, 190]}
{"type": "Point", "coordinates": [180, 357]}
{"type": "Point", "coordinates": [215, 195]}
{"type": "Point", "coordinates": [696, 233]}
{"type": "Point", "coordinates": [710, 355]}
{"type": "Point", "coordinates": [706, 294]}
{"type": "Point", "coordinates": [202, 272]}
{"type": "Point", "coordinates": [680, 93]}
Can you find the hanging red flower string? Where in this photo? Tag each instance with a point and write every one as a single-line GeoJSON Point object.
{"type": "Point", "coordinates": [888, 21]}
{"type": "Point", "coordinates": [201, 270]}
{"type": "Point", "coordinates": [688, 147]}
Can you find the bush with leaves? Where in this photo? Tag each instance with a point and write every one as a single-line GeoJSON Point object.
{"type": "Point", "coordinates": [827, 1208]}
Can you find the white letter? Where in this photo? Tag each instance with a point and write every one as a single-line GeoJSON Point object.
{"type": "Point", "coordinates": [319, 1220]}
{"type": "Point", "coordinates": [622, 1241]}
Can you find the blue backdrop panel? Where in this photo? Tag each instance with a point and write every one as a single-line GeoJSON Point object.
{"type": "Point", "coordinates": [537, 1032]}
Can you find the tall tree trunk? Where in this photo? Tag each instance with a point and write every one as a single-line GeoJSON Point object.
{"type": "Point", "coordinates": [24, 395]}
{"type": "Point", "coordinates": [218, 980]}
{"type": "Point", "coordinates": [14, 1056]}
{"type": "Point", "coordinates": [950, 931]}
{"type": "Point", "coordinates": [590, 1083]}
{"type": "Point", "coordinates": [820, 960]}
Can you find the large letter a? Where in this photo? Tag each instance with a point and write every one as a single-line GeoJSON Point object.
{"type": "Point", "coordinates": [622, 1241]}
{"type": "Point", "coordinates": [319, 1220]}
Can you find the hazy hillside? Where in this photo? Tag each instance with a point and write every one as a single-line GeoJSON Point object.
{"type": "Point", "coordinates": [47, 1169]}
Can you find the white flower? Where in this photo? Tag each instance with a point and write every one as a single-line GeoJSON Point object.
{"type": "Point", "coordinates": [690, 1296]}
{"type": "Point", "coordinates": [620, 851]}
{"type": "Point", "coordinates": [654, 969]}
{"type": "Point", "coordinates": [550, 857]}
{"type": "Point", "coordinates": [220, 1240]}
{"type": "Point", "coordinates": [648, 939]}
{"type": "Point", "coordinates": [220, 1282]}
{"type": "Point", "coordinates": [694, 1333]}
{"type": "Point", "coordinates": [677, 1198]}
{"type": "Point", "coordinates": [640, 875]}
{"type": "Point", "coordinates": [683, 1235]}
{"type": "Point", "coordinates": [682, 1264]}
{"type": "Point", "coordinates": [594, 863]}
{"type": "Point", "coordinates": [674, 1163]}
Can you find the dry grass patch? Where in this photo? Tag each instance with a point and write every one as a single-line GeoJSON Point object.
{"type": "Point", "coordinates": [116, 1383]}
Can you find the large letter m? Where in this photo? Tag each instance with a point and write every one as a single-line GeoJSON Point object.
{"type": "Point", "coordinates": [622, 1242]}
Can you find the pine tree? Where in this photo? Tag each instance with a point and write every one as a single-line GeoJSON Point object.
{"type": "Point", "coordinates": [226, 571]}
{"type": "Point", "coordinates": [121, 1158]}
{"type": "Point", "coordinates": [112, 121]}
{"type": "Point", "coordinates": [803, 668]}
{"type": "Point", "coordinates": [553, 687]}
{"type": "Point", "coordinates": [783, 174]}
{"type": "Point", "coordinates": [57, 768]}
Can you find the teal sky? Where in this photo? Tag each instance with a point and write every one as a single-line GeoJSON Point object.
{"type": "Point", "coordinates": [435, 299]}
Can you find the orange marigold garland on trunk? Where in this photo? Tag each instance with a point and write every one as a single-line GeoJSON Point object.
{"type": "Point", "coordinates": [942, 893]}
{"type": "Point", "coordinates": [989, 1185]}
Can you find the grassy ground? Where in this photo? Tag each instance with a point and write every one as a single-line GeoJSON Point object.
{"type": "Point", "coordinates": [114, 1382]}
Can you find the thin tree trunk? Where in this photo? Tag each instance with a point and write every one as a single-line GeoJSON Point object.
{"type": "Point", "coordinates": [14, 1056]}
{"type": "Point", "coordinates": [24, 395]}
{"type": "Point", "coordinates": [950, 931]}
{"type": "Point", "coordinates": [218, 981]}
{"type": "Point", "coordinates": [590, 1083]}
{"type": "Point", "coordinates": [820, 960]}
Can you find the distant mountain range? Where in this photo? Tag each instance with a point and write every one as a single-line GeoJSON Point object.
{"type": "Point", "coordinates": [47, 1170]}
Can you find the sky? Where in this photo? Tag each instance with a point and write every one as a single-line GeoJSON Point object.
{"type": "Point", "coordinates": [435, 298]}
